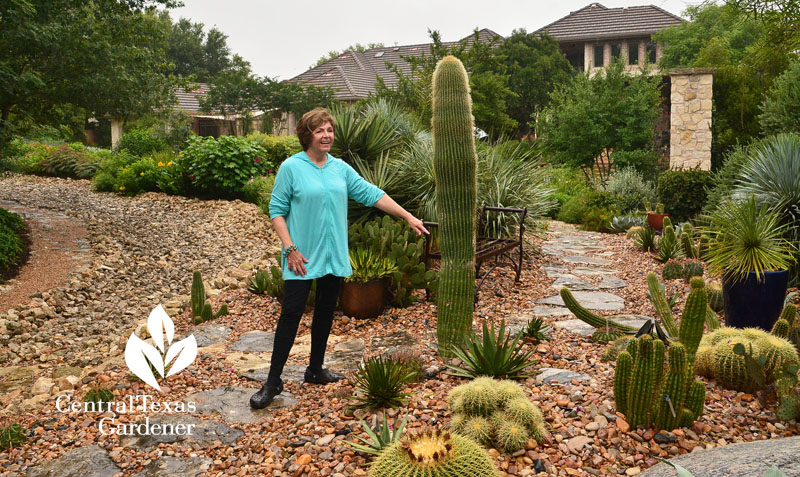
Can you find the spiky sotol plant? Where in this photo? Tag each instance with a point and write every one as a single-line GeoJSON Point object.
{"type": "Point", "coordinates": [455, 168]}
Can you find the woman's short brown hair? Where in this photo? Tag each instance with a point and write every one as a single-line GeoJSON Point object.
{"type": "Point", "coordinates": [311, 121]}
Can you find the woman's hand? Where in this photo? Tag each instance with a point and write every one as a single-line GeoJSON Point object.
{"type": "Point", "coordinates": [296, 262]}
{"type": "Point", "coordinates": [416, 225]}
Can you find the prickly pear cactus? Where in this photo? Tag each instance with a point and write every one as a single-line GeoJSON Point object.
{"type": "Point", "coordinates": [455, 169]}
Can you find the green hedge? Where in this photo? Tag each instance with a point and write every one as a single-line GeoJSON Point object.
{"type": "Point", "coordinates": [11, 244]}
{"type": "Point", "coordinates": [276, 148]}
{"type": "Point", "coordinates": [683, 193]}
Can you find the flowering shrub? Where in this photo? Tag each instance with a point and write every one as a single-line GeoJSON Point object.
{"type": "Point", "coordinates": [221, 167]}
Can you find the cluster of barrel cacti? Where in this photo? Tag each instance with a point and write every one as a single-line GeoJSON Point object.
{"type": "Point", "coordinates": [645, 391]}
{"type": "Point", "coordinates": [716, 357]}
{"type": "Point", "coordinates": [394, 239]}
{"type": "Point", "coordinates": [455, 169]}
{"type": "Point", "coordinates": [201, 309]}
{"type": "Point", "coordinates": [674, 269]}
{"type": "Point", "coordinates": [788, 325]}
{"type": "Point", "coordinates": [495, 412]}
{"type": "Point", "coordinates": [433, 453]}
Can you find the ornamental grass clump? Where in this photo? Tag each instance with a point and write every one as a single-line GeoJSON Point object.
{"type": "Point", "coordinates": [495, 354]}
{"type": "Point", "coordinates": [493, 412]}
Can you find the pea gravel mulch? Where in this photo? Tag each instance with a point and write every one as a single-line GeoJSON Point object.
{"type": "Point", "coordinates": [143, 251]}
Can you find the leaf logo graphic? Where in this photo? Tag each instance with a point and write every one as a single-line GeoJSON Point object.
{"type": "Point", "coordinates": [139, 354]}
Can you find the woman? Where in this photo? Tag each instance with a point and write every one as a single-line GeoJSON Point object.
{"type": "Point", "coordinates": [309, 213]}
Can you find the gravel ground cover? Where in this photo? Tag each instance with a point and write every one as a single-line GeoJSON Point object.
{"type": "Point", "coordinates": [142, 253]}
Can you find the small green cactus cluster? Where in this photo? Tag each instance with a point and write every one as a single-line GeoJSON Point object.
{"type": "Point", "coordinates": [98, 395]}
{"type": "Point", "coordinates": [788, 325]}
{"type": "Point", "coordinates": [433, 454]}
{"type": "Point", "coordinates": [633, 232]}
{"type": "Point", "coordinates": [689, 242]}
{"type": "Point", "coordinates": [650, 395]}
{"type": "Point", "coordinates": [614, 348]}
{"type": "Point", "coordinates": [605, 336]}
{"type": "Point", "coordinates": [201, 309]}
{"type": "Point", "coordinates": [692, 268]}
{"type": "Point", "coordinates": [669, 247]}
{"type": "Point", "coordinates": [648, 208]}
{"type": "Point", "coordinates": [716, 357]}
{"type": "Point", "coordinates": [393, 239]}
{"type": "Point", "coordinates": [715, 299]}
{"type": "Point", "coordinates": [786, 387]}
{"type": "Point", "coordinates": [490, 411]}
{"type": "Point", "coordinates": [672, 270]}
{"type": "Point", "coordinates": [267, 281]}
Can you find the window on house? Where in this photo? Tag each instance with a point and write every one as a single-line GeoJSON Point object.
{"type": "Point", "coordinates": [651, 52]}
{"type": "Point", "coordinates": [598, 56]}
{"type": "Point", "coordinates": [616, 50]}
{"type": "Point", "coordinates": [633, 53]}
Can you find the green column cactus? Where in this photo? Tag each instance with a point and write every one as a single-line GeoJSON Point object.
{"type": "Point", "coordinates": [659, 300]}
{"type": "Point", "coordinates": [635, 390]}
{"type": "Point", "coordinates": [198, 294]}
{"type": "Point", "coordinates": [455, 169]}
{"type": "Point", "coordinates": [668, 410]}
{"type": "Point", "coordinates": [693, 318]}
{"type": "Point", "coordinates": [591, 318]}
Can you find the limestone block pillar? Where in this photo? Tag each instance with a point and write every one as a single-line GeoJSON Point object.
{"type": "Point", "coordinates": [116, 131]}
{"type": "Point", "coordinates": [690, 118]}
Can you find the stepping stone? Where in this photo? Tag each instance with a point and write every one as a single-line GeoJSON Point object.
{"type": "Point", "coordinates": [392, 341]}
{"type": "Point", "coordinates": [573, 283]}
{"type": "Point", "coordinates": [176, 466]}
{"type": "Point", "coordinates": [345, 356]}
{"type": "Point", "coordinates": [232, 404]}
{"type": "Point", "coordinates": [210, 334]}
{"type": "Point", "coordinates": [549, 311]}
{"type": "Point", "coordinates": [585, 329]}
{"type": "Point", "coordinates": [610, 282]}
{"type": "Point", "coordinates": [555, 268]}
{"type": "Point", "coordinates": [592, 300]}
{"type": "Point", "coordinates": [243, 362]}
{"type": "Point", "coordinates": [255, 342]}
{"type": "Point", "coordinates": [87, 461]}
{"type": "Point", "coordinates": [586, 260]}
{"type": "Point", "coordinates": [562, 376]}
{"type": "Point", "coordinates": [291, 373]}
{"type": "Point", "coordinates": [14, 377]}
{"type": "Point", "coordinates": [203, 432]}
{"type": "Point", "coordinates": [67, 371]}
{"type": "Point", "coordinates": [745, 458]}
{"type": "Point", "coordinates": [593, 271]}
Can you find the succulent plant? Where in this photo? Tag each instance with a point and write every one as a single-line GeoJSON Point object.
{"type": "Point", "coordinates": [715, 298]}
{"type": "Point", "coordinates": [201, 310]}
{"type": "Point", "coordinates": [672, 270]}
{"type": "Point", "coordinates": [692, 268]}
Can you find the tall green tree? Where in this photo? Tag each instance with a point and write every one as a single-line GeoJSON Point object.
{"type": "Point", "coordinates": [91, 58]}
{"type": "Point", "coordinates": [780, 112]}
{"type": "Point", "coordinates": [196, 54]}
{"type": "Point", "coordinates": [593, 116]}
{"type": "Point", "coordinates": [488, 82]}
{"type": "Point", "coordinates": [721, 37]}
{"type": "Point", "coordinates": [535, 66]}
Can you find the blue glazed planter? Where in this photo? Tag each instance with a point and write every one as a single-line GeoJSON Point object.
{"type": "Point", "coordinates": [754, 303]}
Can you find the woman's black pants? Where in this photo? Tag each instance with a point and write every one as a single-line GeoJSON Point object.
{"type": "Point", "coordinates": [295, 296]}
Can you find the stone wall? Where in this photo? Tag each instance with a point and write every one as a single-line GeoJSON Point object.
{"type": "Point", "coordinates": [690, 118]}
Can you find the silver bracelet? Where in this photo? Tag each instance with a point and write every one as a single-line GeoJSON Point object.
{"type": "Point", "coordinates": [289, 250]}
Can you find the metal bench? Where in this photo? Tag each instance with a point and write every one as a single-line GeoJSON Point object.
{"type": "Point", "coordinates": [487, 247]}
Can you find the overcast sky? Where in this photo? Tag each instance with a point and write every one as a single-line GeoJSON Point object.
{"type": "Point", "coordinates": [284, 38]}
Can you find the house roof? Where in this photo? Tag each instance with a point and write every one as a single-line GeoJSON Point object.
{"type": "Point", "coordinates": [188, 99]}
{"type": "Point", "coordinates": [352, 75]}
{"type": "Point", "coordinates": [594, 22]}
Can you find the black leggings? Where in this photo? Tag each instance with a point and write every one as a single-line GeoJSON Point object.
{"type": "Point", "coordinates": [295, 296]}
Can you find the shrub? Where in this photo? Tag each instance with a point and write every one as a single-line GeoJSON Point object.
{"type": "Point", "coordinates": [722, 182]}
{"type": "Point", "coordinates": [11, 436]}
{"type": "Point", "coordinates": [495, 354]}
{"type": "Point", "coordinates": [170, 176]}
{"type": "Point", "coordinates": [23, 156]}
{"type": "Point", "coordinates": [276, 148]}
{"type": "Point", "coordinates": [780, 112]}
{"type": "Point", "coordinates": [573, 210]}
{"type": "Point", "coordinates": [141, 176]}
{"type": "Point", "coordinates": [644, 161]}
{"type": "Point", "coordinates": [110, 165]}
{"type": "Point", "coordinates": [598, 220]}
{"type": "Point", "coordinates": [69, 160]}
{"type": "Point", "coordinates": [566, 184]}
{"type": "Point", "coordinates": [140, 142]}
{"type": "Point", "coordinates": [258, 190]}
{"type": "Point", "coordinates": [380, 382]}
{"type": "Point", "coordinates": [11, 244]}
{"type": "Point", "coordinates": [220, 167]}
{"type": "Point", "coordinates": [683, 192]}
{"type": "Point", "coordinates": [630, 189]}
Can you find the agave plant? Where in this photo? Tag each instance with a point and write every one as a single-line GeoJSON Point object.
{"type": "Point", "coordinates": [382, 437]}
{"type": "Point", "coordinates": [495, 354]}
{"type": "Point", "coordinates": [536, 330]}
{"type": "Point", "coordinates": [379, 382]}
{"type": "Point", "coordinates": [645, 239]}
{"type": "Point", "coordinates": [621, 223]}
{"type": "Point", "coordinates": [368, 265]}
{"type": "Point", "coordinates": [747, 238]}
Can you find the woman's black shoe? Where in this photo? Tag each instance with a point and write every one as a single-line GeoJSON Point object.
{"type": "Point", "coordinates": [265, 395]}
{"type": "Point", "coordinates": [324, 376]}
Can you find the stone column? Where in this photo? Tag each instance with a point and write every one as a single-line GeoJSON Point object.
{"type": "Point", "coordinates": [116, 131]}
{"type": "Point", "coordinates": [690, 118]}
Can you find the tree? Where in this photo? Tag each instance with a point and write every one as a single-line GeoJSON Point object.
{"type": "Point", "coordinates": [721, 37]}
{"type": "Point", "coordinates": [87, 58]}
{"type": "Point", "coordinates": [357, 47]}
{"type": "Point", "coordinates": [488, 82]}
{"type": "Point", "coordinates": [535, 66]}
{"type": "Point", "coordinates": [780, 112]}
{"type": "Point", "coordinates": [194, 53]}
{"type": "Point", "coordinates": [780, 17]}
{"type": "Point", "coordinates": [591, 117]}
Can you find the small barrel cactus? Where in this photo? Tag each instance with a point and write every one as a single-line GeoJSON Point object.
{"type": "Point", "coordinates": [672, 270]}
{"type": "Point", "coordinates": [692, 268]}
{"type": "Point", "coordinates": [715, 300]}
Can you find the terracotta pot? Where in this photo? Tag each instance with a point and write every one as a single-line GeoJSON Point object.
{"type": "Point", "coordinates": [656, 221]}
{"type": "Point", "coordinates": [363, 300]}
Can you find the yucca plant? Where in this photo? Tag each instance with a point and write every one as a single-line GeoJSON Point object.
{"type": "Point", "coordinates": [379, 382]}
{"type": "Point", "coordinates": [536, 330]}
{"type": "Point", "coordinates": [366, 132]}
{"type": "Point", "coordinates": [747, 238]}
{"type": "Point", "coordinates": [368, 265]}
{"type": "Point", "coordinates": [382, 437]}
{"type": "Point", "coordinates": [645, 239]}
{"type": "Point", "coordinates": [495, 354]}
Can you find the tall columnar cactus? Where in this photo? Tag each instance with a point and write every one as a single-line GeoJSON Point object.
{"type": "Point", "coordinates": [635, 386]}
{"type": "Point", "coordinates": [693, 318]}
{"type": "Point", "coordinates": [659, 300]}
{"type": "Point", "coordinates": [455, 168]}
{"type": "Point", "coordinates": [591, 318]}
{"type": "Point", "coordinates": [198, 294]}
{"type": "Point", "coordinates": [690, 248]}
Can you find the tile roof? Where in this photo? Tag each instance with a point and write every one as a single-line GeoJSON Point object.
{"type": "Point", "coordinates": [187, 100]}
{"type": "Point", "coordinates": [595, 21]}
{"type": "Point", "coordinates": [353, 74]}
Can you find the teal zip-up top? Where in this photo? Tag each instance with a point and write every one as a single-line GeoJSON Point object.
{"type": "Point", "coordinates": [313, 200]}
